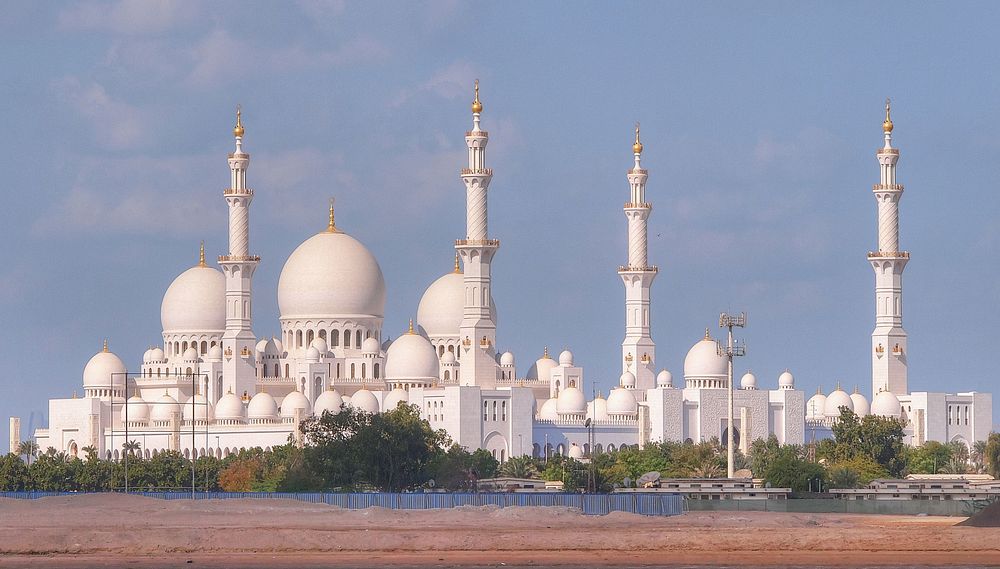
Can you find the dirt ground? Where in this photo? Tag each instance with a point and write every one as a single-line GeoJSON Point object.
{"type": "Point", "coordinates": [132, 531]}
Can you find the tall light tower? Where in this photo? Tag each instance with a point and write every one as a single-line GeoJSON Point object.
{"type": "Point", "coordinates": [730, 350]}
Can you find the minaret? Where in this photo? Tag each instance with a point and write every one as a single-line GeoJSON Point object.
{"type": "Point", "coordinates": [478, 330]}
{"type": "Point", "coordinates": [889, 338]}
{"type": "Point", "coordinates": [638, 349]}
{"type": "Point", "coordinates": [238, 341]}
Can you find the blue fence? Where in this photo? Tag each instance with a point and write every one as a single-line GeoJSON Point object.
{"type": "Point", "coordinates": [592, 504]}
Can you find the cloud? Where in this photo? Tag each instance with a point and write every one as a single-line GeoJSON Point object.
{"type": "Point", "coordinates": [129, 17]}
{"type": "Point", "coordinates": [451, 82]}
{"type": "Point", "coordinates": [116, 124]}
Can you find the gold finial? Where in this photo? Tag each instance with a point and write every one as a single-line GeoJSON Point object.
{"type": "Point", "coordinates": [708, 336]}
{"type": "Point", "coordinates": [105, 345]}
{"type": "Point", "coordinates": [458, 267]}
{"type": "Point", "coordinates": [819, 390]}
{"type": "Point", "coordinates": [410, 331]}
{"type": "Point", "coordinates": [838, 387]}
{"type": "Point", "coordinates": [201, 255]}
{"type": "Point", "coordinates": [887, 123]}
{"type": "Point", "coordinates": [332, 227]}
{"type": "Point", "coordinates": [545, 353]}
{"type": "Point", "coordinates": [637, 147]}
{"type": "Point", "coordinates": [238, 129]}
{"type": "Point", "coordinates": [477, 107]}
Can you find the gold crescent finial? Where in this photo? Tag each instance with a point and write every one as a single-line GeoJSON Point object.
{"type": "Point", "coordinates": [708, 336]}
{"type": "Point", "coordinates": [238, 129]}
{"type": "Point", "coordinates": [332, 226]}
{"type": "Point", "coordinates": [887, 123]}
{"type": "Point", "coordinates": [637, 147]}
{"type": "Point", "coordinates": [410, 331]}
{"type": "Point", "coordinates": [458, 266]}
{"type": "Point", "coordinates": [105, 345]}
{"type": "Point", "coordinates": [201, 255]}
{"type": "Point", "coordinates": [545, 354]}
{"type": "Point", "coordinates": [477, 107]}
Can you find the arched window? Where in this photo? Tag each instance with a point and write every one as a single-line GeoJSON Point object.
{"type": "Point", "coordinates": [184, 347]}
{"type": "Point", "coordinates": [486, 410]}
{"type": "Point", "coordinates": [347, 339]}
{"type": "Point", "coordinates": [352, 371]}
{"type": "Point", "coordinates": [503, 411]}
{"type": "Point", "coordinates": [277, 371]}
{"type": "Point", "coordinates": [204, 347]}
{"type": "Point", "coordinates": [357, 339]}
{"type": "Point", "coordinates": [286, 370]}
{"type": "Point", "coordinates": [376, 370]}
{"type": "Point", "coordinates": [338, 371]}
{"type": "Point", "coordinates": [309, 338]}
{"type": "Point", "coordinates": [298, 338]}
{"type": "Point", "coordinates": [451, 349]}
{"type": "Point", "coordinates": [503, 455]}
{"type": "Point", "coordinates": [447, 375]}
{"type": "Point", "coordinates": [494, 410]}
{"type": "Point", "coordinates": [335, 337]}
{"type": "Point", "coordinates": [363, 371]}
{"type": "Point", "coordinates": [322, 334]}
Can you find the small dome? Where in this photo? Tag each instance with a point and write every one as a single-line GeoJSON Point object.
{"type": "Point", "coordinates": [703, 362]}
{"type": "Point", "coordinates": [837, 399]}
{"type": "Point", "coordinates": [195, 302]}
{"type": "Point", "coordinates": [627, 380]}
{"type": "Point", "coordinates": [575, 452]}
{"type": "Point", "coordinates": [269, 349]}
{"type": "Point", "coordinates": [215, 353]}
{"type": "Point", "coordinates": [137, 410]}
{"type": "Point", "coordinates": [190, 355]}
{"type": "Point", "coordinates": [448, 358]}
{"type": "Point", "coordinates": [278, 345]}
{"type": "Point", "coordinates": [542, 370]}
{"type": "Point", "coordinates": [566, 358]}
{"type": "Point", "coordinates": [394, 398]}
{"type": "Point", "coordinates": [442, 306]}
{"type": "Point", "coordinates": [370, 347]}
{"type": "Point", "coordinates": [330, 400]}
{"type": "Point", "coordinates": [312, 355]}
{"type": "Point", "coordinates": [263, 407]}
{"type": "Point", "coordinates": [146, 356]}
{"type": "Point", "coordinates": [295, 400]}
{"type": "Point", "coordinates": [411, 356]}
{"type": "Point", "coordinates": [786, 380]}
{"type": "Point", "coordinates": [549, 410]}
{"type": "Point", "coordinates": [201, 410]}
{"type": "Point", "coordinates": [321, 347]}
{"type": "Point", "coordinates": [571, 401]}
{"type": "Point", "coordinates": [507, 359]}
{"type": "Point", "coordinates": [886, 404]}
{"type": "Point", "coordinates": [664, 379]}
{"type": "Point", "coordinates": [622, 402]}
{"type": "Point", "coordinates": [157, 355]}
{"type": "Point", "coordinates": [365, 400]}
{"type": "Point", "coordinates": [816, 407]}
{"type": "Point", "coordinates": [597, 410]}
{"type": "Point", "coordinates": [104, 371]}
{"type": "Point", "coordinates": [861, 407]}
{"type": "Point", "coordinates": [748, 381]}
{"type": "Point", "coordinates": [259, 348]}
{"type": "Point", "coordinates": [230, 408]}
{"type": "Point", "coordinates": [164, 408]}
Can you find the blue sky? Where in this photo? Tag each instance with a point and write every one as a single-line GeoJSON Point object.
{"type": "Point", "coordinates": [760, 122]}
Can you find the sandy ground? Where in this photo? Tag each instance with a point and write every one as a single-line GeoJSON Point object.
{"type": "Point", "coordinates": [132, 531]}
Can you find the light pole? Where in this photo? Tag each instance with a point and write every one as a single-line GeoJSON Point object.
{"type": "Point", "coordinates": [729, 350]}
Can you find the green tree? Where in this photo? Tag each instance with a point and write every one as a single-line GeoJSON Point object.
{"type": "Point", "coordinates": [978, 457]}
{"type": "Point", "coordinates": [13, 474]}
{"type": "Point", "coordinates": [519, 467]}
{"type": "Point", "coordinates": [991, 455]}
{"type": "Point", "coordinates": [876, 437]}
{"type": "Point", "coordinates": [928, 458]}
{"type": "Point", "coordinates": [788, 470]}
{"type": "Point", "coordinates": [862, 468]}
{"type": "Point", "coordinates": [843, 477]}
{"type": "Point", "coordinates": [28, 449]}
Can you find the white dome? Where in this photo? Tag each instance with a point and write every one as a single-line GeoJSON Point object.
{"type": "Point", "coordinates": [195, 302]}
{"type": "Point", "coordinates": [292, 401]}
{"type": "Point", "coordinates": [786, 380]}
{"type": "Point", "coordinates": [190, 355]}
{"type": "Point", "coordinates": [441, 308]}
{"type": "Point", "coordinates": [566, 358]}
{"type": "Point", "coordinates": [230, 408]}
{"type": "Point", "coordinates": [575, 452]}
{"type": "Point", "coordinates": [748, 381]}
{"type": "Point", "coordinates": [103, 371]}
{"type": "Point", "coordinates": [262, 407]}
{"type": "Point", "coordinates": [269, 349]}
{"type": "Point", "coordinates": [571, 401]}
{"type": "Point", "coordinates": [816, 406]}
{"type": "Point", "coordinates": [861, 407]}
{"type": "Point", "coordinates": [394, 397]}
{"type": "Point", "coordinates": [370, 346]}
{"type": "Point", "coordinates": [837, 399]}
{"type": "Point", "coordinates": [157, 355]}
{"type": "Point", "coordinates": [507, 359]}
{"type": "Point", "coordinates": [259, 347]}
{"type": "Point", "coordinates": [597, 410]}
{"type": "Point", "coordinates": [146, 356]}
{"type": "Point", "coordinates": [137, 410]}
{"type": "Point", "coordinates": [330, 400]}
{"type": "Point", "coordinates": [627, 379]}
{"type": "Point", "coordinates": [364, 400]}
{"type": "Point", "coordinates": [664, 379]}
{"type": "Point", "coordinates": [411, 356]}
{"type": "Point", "coordinates": [347, 400]}
{"type": "Point", "coordinates": [163, 408]}
{"type": "Point", "coordinates": [886, 404]}
{"type": "Point", "coordinates": [312, 355]}
{"type": "Point", "coordinates": [703, 362]}
{"type": "Point", "coordinates": [215, 353]}
{"type": "Point", "coordinates": [622, 402]}
{"type": "Point", "coordinates": [549, 411]}
{"type": "Point", "coordinates": [200, 411]}
{"type": "Point", "coordinates": [321, 347]}
{"type": "Point", "coordinates": [448, 358]}
{"type": "Point", "coordinates": [331, 275]}
{"type": "Point", "coordinates": [542, 369]}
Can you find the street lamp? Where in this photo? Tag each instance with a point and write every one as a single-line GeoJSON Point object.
{"type": "Point", "coordinates": [731, 321]}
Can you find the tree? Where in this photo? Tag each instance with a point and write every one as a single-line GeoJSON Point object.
{"type": "Point", "coordinates": [862, 468]}
{"type": "Point", "coordinates": [879, 438]}
{"type": "Point", "coordinates": [991, 455]}
{"type": "Point", "coordinates": [519, 467]}
{"type": "Point", "coordinates": [928, 458]}
{"type": "Point", "coordinates": [131, 447]}
{"type": "Point", "coordinates": [13, 473]}
{"type": "Point", "coordinates": [844, 477]}
{"type": "Point", "coordinates": [28, 449]}
{"type": "Point", "coordinates": [978, 457]}
{"type": "Point", "coordinates": [790, 471]}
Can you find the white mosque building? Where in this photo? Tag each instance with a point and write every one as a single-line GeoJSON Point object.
{"type": "Point", "coordinates": [215, 387]}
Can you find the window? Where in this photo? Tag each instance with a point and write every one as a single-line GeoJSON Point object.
{"type": "Point", "coordinates": [363, 371]}
{"type": "Point", "coordinates": [486, 410]}
{"type": "Point", "coordinates": [494, 410]}
{"type": "Point", "coordinates": [352, 370]}
{"type": "Point", "coordinates": [376, 370]}
{"type": "Point", "coordinates": [503, 411]}
{"type": "Point", "coordinates": [447, 375]}
{"type": "Point", "coordinates": [335, 338]}
{"type": "Point", "coordinates": [357, 339]}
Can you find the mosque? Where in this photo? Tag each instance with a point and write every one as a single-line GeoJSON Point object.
{"type": "Point", "coordinates": [214, 386]}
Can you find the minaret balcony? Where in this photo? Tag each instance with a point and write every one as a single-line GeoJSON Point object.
{"type": "Point", "coordinates": [887, 187]}
{"type": "Point", "coordinates": [888, 151]}
{"type": "Point", "coordinates": [642, 171]}
{"type": "Point", "coordinates": [239, 258]}
{"type": "Point", "coordinates": [479, 133]}
{"type": "Point", "coordinates": [237, 192]}
{"type": "Point", "coordinates": [477, 171]}
{"type": "Point", "coordinates": [630, 269]}
{"type": "Point", "coordinates": [477, 242]}
{"type": "Point", "coordinates": [888, 254]}
{"type": "Point", "coordinates": [638, 205]}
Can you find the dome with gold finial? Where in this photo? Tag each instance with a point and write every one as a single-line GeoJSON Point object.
{"type": "Point", "coordinates": [477, 107]}
{"type": "Point", "coordinates": [442, 306]}
{"type": "Point", "coordinates": [704, 366]}
{"type": "Point", "coordinates": [887, 123]}
{"type": "Point", "coordinates": [238, 129]}
{"type": "Point", "coordinates": [195, 301]}
{"type": "Point", "coordinates": [637, 146]}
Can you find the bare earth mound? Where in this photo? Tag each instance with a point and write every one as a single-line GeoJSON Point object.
{"type": "Point", "coordinates": [988, 517]}
{"type": "Point", "coordinates": [96, 530]}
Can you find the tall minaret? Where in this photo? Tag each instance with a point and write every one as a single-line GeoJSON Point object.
{"type": "Point", "coordinates": [638, 349]}
{"type": "Point", "coordinates": [889, 338]}
{"type": "Point", "coordinates": [478, 330]}
{"type": "Point", "coordinates": [238, 363]}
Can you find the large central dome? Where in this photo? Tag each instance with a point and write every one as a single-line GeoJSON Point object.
{"type": "Point", "coordinates": [195, 302]}
{"type": "Point", "coordinates": [331, 275]}
{"type": "Point", "coordinates": [442, 307]}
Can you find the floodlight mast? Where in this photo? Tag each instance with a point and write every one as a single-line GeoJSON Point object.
{"type": "Point", "coordinates": [730, 350]}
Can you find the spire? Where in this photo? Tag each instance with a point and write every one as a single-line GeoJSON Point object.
{"type": "Point", "coordinates": [887, 123]}
{"type": "Point", "coordinates": [458, 266]}
{"type": "Point", "coordinates": [477, 107]}
{"type": "Point", "coordinates": [105, 350]}
{"type": "Point", "coordinates": [332, 226]}
{"type": "Point", "coordinates": [201, 255]}
{"type": "Point", "coordinates": [545, 354]}
{"type": "Point", "coordinates": [410, 331]}
{"type": "Point", "coordinates": [637, 147]}
{"type": "Point", "coordinates": [238, 129]}
{"type": "Point", "coordinates": [708, 336]}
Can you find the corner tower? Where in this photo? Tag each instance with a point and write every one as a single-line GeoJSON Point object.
{"type": "Point", "coordinates": [239, 359]}
{"type": "Point", "coordinates": [478, 329]}
{"type": "Point", "coordinates": [638, 349]}
{"type": "Point", "coordinates": [888, 339]}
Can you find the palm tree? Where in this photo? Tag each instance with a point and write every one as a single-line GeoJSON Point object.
{"type": "Point", "coordinates": [90, 452]}
{"type": "Point", "coordinates": [131, 447]}
{"type": "Point", "coordinates": [29, 449]}
{"type": "Point", "coordinates": [978, 456]}
{"type": "Point", "coordinates": [991, 455]}
{"type": "Point", "coordinates": [519, 467]}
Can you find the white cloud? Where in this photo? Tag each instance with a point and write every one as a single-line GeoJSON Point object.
{"type": "Point", "coordinates": [116, 124]}
{"type": "Point", "coordinates": [129, 17]}
{"type": "Point", "coordinates": [451, 82]}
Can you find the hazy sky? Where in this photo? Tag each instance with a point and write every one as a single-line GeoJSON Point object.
{"type": "Point", "coordinates": [759, 120]}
